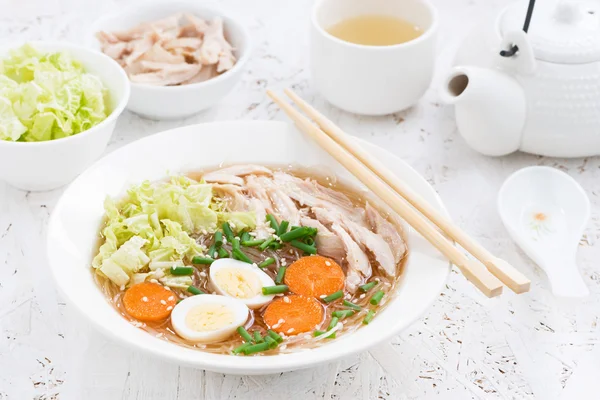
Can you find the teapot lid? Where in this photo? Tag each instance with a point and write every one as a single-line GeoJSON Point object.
{"type": "Point", "coordinates": [566, 32]}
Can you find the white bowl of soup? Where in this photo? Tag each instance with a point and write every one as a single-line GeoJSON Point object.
{"type": "Point", "coordinates": [240, 247]}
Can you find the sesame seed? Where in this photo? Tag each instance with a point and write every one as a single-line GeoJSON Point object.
{"type": "Point", "coordinates": [122, 287]}
{"type": "Point", "coordinates": [322, 296]}
{"type": "Point", "coordinates": [283, 262]}
{"type": "Point", "coordinates": [328, 263]}
{"type": "Point", "coordinates": [169, 308]}
{"type": "Point", "coordinates": [281, 321]}
{"type": "Point", "coordinates": [204, 232]}
{"type": "Point", "coordinates": [203, 274]}
{"type": "Point", "coordinates": [362, 296]}
{"type": "Point", "coordinates": [164, 303]}
{"type": "Point", "coordinates": [216, 254]}
{"type": "Point", "coordinates": [181, 295]}
{"type": "Point", "coordinates": [159, 335]}
{"type": "Point", "coordinates": [291, 330]}
{"type": "Point", "coordinates": [253, 234]}
{"type": "Point", "coordinates": [276, 326]}
{"type": "Point", "coordinates": [168, 288]}
{"type": "Point", "coordinates": [224, 240]}
{"type": "Point", "coordinates": [347, 296]}
{"type": "Point", "coordinates": [286, 300]}
{"type": "Point", "coordinates": [283, 347]}
{"type": "Point", "coordinates": [255, 265]}
{"type": "Point", "coordinates": [145, 299]}
{"type": "Point", "coordinates": [316, 327]}
{"type": "Point", "coordinates": [153, 281]}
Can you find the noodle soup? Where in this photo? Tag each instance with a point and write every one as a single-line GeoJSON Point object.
{"type": "Point", "coordinates": [248, 260]}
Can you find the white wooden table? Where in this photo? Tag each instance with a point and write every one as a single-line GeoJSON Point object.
{"type": "Point", "coordinates": [466, 346]}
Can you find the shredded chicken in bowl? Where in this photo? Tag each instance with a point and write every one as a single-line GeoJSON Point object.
{"type": "Point", "coordinates": [177, 50]}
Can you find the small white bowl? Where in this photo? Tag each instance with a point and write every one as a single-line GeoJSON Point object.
{"type": "Point", "coordinates": [72, 236]}
{"type": "Point", "coordinates": [172, 102]}
{"type": "Point", "coordinates": [48, 165]}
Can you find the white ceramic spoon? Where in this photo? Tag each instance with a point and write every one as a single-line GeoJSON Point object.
{"type": "Point", "coordinates": [545, 212]}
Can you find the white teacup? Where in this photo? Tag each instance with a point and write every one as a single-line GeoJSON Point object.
{"type": "Point", "coordinates": [372, 80]}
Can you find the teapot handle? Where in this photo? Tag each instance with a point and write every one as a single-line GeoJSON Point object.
{"type": "Point", "coordinates": [522, 60]}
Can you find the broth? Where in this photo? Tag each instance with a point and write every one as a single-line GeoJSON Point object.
{"type": "Point", "coordinates": [286, 255]}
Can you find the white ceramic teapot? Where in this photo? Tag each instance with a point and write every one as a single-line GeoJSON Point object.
{"type": "Point", "coordinates": [544, 99]}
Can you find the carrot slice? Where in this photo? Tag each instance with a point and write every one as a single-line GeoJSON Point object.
{"type": "Point", "coordinates": [149, 302]}
{"type": "Point", "coordinates": [293, 314]}
{"type": "Point", "coordinates": [314, 276]}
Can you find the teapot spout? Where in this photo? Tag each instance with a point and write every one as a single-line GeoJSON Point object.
{"type": "Point", "coordinates": [490, 108]}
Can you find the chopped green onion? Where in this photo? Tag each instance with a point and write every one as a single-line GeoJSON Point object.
{"type": "Point", "coordinates": [235, 245]}
{"type": "Point", "coordinates": [304, 247]}
{"type": "Point", "coordinates": [283, 228]}
{"type": "Point", "coordinates": [241, 348]}
{"type": "Point", "coordinates": [333, 323]}
{"type": "Point", "coordinates": [182, 271]}
{"type": "Point", "coordinates": [377, 297]}
{"type": "Point", "coordinates": [212, 250]}
{"type": "Point", "coordinates": [341, 314]}
{"type": "Point", "coordinates": [272, 342]}
{"type": "Point", "coordinates": [267, 262]}
{"type": "Point", "coordinates": [245, 237]}
{"type": "Point", "coordinates": [369, 317]}
{"type": "Point", "coordinates": [333, 296]}
{"type": "Point", "coordinates": [252, 243]}
{"type": "Point", "coordinates": [266, 243]}
{"type": "Point", "coordinates": [280, 275]}
{"type": "Point", "coordinates": [275, 245]}
{"type": "Point", "coordinates": [223, 253]}
{"type": "Point", "coordinates": [275, 336]}
{"type": "Point", "coordinates": [227, 231]}
{"type": "Point", "coordinates": [277, 289]}
{"type": "Point", "coordinates": [273, 222]}
{"type": "Point", "coordinates": [194, 290]}
{"type": "Point", "coordinates": [218, 238]}
{"type": "Point", "coordinates": [239, 255]}
{"type": "Point", "coordinates": [368, 286]}
{"type": "Point", "coordinates": [295, 234]}
{"type": "Point", "coordinates": [294, 227]}
{"type": "Point", "coordinates": [244, 334]}
{"type": "Point", "coordinates": [256, 348]}
{"type": "Point", "coordinates": [309, 241]}
{"type": "Point", "coordinates": [203, 260]}
{"type": "Point", "coordinates": [352, 305]}
{"type": "Point", "coordinates": [318, 333]}
{"type": "Point", "coordinates": [257, 337]}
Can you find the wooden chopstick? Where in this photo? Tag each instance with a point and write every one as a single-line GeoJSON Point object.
{"type": "Point", "coordinates": [508, 274]}
{"type": "Point", "coordinates": [487, 283]}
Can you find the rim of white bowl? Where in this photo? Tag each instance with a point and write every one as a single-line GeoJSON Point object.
{"type": "Point", "coordinates": [239, 64]}
{"type": "Point", "coordinates": [240, 365]}
{"type": "Point", "coordinates": [114, 114]}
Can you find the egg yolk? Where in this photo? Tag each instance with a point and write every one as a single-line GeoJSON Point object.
{"type": "Point", "coordinates": [209, 317]}
{"type": "Point", "coordinates": [238, 283]}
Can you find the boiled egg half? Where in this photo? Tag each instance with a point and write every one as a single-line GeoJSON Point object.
{"type": "Point", "coordinates": [208, 318]}
{"type": "Point", "coordinates": [241, 281]}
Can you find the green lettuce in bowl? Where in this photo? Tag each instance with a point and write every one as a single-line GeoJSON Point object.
{"type": "Point", "coordinates": [47, 95]}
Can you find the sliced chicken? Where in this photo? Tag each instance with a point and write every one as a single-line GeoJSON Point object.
{"type": "Point", "coordinates": [199, 47]}
{"type": "Point", "coordinates": [310, 193]}
{"type": "Point", "coordinates": [236, 200]}
{"type": "Point", "coordinates": [328, 243]}
{"type": "Point", "coordinates": [245, 169]}
{"type": "Point", "coordinates": [217, 177]}
{"type": "Point", "coordinates": [263, 230]}
{"type": "Point", "coordinates": [388, 232]}
{"type": "Point", "coordinates": [183, 42]}
{"type": "Point", "coordinates": [174, 74]}
{"type": "Point", "coordinates": [283, 205]}
{"type": "Point", "coordinates": [358, 262]}
{"type": "Point", "coordinates": [368, 240]}
{"type": "Point", "coordinates": [206, 72]}
{"type": "Point", "coordinates": [215, 48]}
{"type": "Point", "coordinates": [200, 25]}
{"type": "Point", "coordinates": [234, 173]}
{"type": "Point", "coordinates": [159, 54]}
